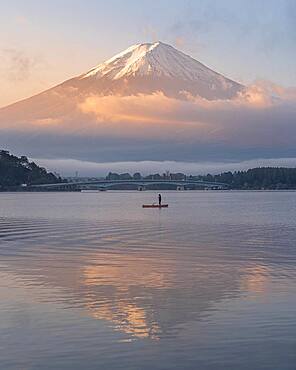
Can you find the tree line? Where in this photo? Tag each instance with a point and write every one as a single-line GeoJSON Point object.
{"type": "Point", "coordinates": [269, 178]}
{"type": "Point", "coordinates": [16, 171]}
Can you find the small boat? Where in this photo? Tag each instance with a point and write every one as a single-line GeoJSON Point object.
{"type": "Point", "coordinates": [93, 191]}
{"type": "Point", "coordinates": [155, 206]}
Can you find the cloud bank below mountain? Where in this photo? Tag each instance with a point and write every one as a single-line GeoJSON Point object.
{"type": "Point", "coordinates": [70, 167]}
{"type": "Point", "coordinates": [259, 123]}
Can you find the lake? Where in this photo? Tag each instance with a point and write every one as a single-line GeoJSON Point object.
{"type": "Point", "coordinates": [93, 281]}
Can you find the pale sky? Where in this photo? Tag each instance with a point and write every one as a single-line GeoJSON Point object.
{"type": "Point", "coordinates": [43, 43]}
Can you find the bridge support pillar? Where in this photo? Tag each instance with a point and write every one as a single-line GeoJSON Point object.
{"type": "Point", "coordinates": [141, 188]}
{"type": "Point", "coordinates": [180, 188]}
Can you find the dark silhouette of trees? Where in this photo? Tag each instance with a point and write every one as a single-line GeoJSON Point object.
{"type": "Point", "coordinates": [137, 176]}
{"type": "Point", "coordinates": [260, 178]}
{"type": "Point", "coordinates": [16, 171]}
{"type": "Point", "coordinates": [255, 178]}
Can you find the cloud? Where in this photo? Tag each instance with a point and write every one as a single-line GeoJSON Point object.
{"type": "Point", "coordinates": [68, 167]}
{"type": "Point", "coordinates": [258, 123]}
{"type": "Point", "coordinates": [263, 114]}
{"type": "Point", "coordinates": [133, 108]}
{"type": "Point", "coordinates": [16, 64]}
{"type": "Point", "coordinates": [263, 23]}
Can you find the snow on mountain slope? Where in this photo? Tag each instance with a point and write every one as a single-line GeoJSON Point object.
{"type": "Point", "coordinates": [141, 69]}
{"type": "Point", "coordinates": [157, 59]}
{"type": "Point", "coordinates": [158, 66]}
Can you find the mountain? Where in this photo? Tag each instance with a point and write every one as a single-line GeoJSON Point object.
{"type": "Point", "coordinates": [146, 68]}
{"type": "Point", "coordinates": [140, 69]}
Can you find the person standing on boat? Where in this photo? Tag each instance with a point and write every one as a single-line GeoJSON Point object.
{"type": "Point", "coordinates": [159, 199]}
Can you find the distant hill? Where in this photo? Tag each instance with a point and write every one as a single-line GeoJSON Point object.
{"type": "Point", "coordinates": [15, 171]}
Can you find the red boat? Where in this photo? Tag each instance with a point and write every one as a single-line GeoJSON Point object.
{"type": "Point", "coordinates": [155, 206]}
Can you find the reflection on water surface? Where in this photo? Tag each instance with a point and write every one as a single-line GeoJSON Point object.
{"type": "Point", "coordinates": [214, 272]}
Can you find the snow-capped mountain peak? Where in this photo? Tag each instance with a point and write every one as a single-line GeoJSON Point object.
{"type": "Point", "coordinates": [139, 59]}
{"type": "Point", "coordinates": [158, 66]}
{"type": "Point", "coordinates": [146, 68]}
{"type": "Point", "coordinates": [156, 59]}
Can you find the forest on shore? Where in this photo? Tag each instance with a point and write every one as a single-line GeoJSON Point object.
{"type": "Point", "coordinates": [19, 171]}
{"type": "Point", "coordinates": [260, 178]}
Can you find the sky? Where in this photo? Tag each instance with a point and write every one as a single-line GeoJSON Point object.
{"type": "Point", "coordinates": [43, 43]}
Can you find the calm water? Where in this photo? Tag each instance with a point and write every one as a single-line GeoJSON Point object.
{"type": "Point", "coordinates": [93, 281]}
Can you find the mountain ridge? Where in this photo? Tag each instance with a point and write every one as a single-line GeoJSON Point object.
{"type": "Point", "coordinates": [144, 68]}
{"type": "Point", "coordinates": [150, 58]}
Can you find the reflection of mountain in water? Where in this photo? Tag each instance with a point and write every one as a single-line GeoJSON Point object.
{"type": "Point", "coordinates": [150, 296]}
{"type": "Point", "coordinates": [145, 284]}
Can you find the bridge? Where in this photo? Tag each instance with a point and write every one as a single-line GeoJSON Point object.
{"type": "Point", "coordinates": [139, 184]}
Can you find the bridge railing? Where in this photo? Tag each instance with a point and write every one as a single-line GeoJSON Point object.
{"type": "Point", "coordinates": [142, 182]}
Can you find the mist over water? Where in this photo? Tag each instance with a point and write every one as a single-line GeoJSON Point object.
{"type": "Point", "coordinates": [94, 281]}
